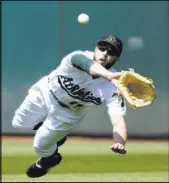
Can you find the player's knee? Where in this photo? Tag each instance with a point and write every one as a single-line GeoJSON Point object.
{"type": "Point", "coordinates": [17, 122]}
{"type": "Point", "coordinates": [44, 151]}
{"type": "Point", "coordinates": [37, 148]}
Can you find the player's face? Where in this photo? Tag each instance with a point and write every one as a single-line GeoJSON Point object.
{"type": "Point", "coordinates": [105, 55]}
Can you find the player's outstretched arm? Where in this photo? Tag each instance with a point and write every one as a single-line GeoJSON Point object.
{"type": "Point", "coordinates": [98, 70]}
{"type": "Point", "coordinates": [84, 63]}
{"type": "Point", "coordinates": [119, 134]}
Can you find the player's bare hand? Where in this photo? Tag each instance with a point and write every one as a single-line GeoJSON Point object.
{"type": "Point", "coordinates": [118, 148]}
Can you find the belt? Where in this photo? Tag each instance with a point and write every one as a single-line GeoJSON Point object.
{"type": "Point", "coordinates": [59, 102]}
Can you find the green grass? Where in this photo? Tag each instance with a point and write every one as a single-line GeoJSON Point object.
{"type": "Point", "coordinates": [90, 161]}
{"type": "Point", "coordinates": [90, 177]}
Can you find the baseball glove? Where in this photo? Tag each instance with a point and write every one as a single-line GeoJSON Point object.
{"type": "Point", "coordinates": [138, 90]}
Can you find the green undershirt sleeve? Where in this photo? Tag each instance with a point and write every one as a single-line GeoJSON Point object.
{"type": "Point", "coordinates": [81, 62]}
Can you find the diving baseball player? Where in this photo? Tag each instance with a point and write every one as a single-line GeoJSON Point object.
{"type": "Point", "coordinates": [58, 102]}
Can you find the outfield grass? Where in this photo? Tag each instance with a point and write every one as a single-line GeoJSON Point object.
{"type": "Point", "coordinates": [90, 161]}
{"type": "Point", "coordinates": [90, 177]}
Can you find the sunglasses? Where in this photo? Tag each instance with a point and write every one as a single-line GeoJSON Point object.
{"type": "Point", "coordinates": [106, 47]}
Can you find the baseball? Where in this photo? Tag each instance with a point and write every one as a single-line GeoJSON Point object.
{"type": "Point", "coordinates": [83, 18]}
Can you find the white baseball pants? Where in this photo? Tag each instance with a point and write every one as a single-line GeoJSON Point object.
{"type": "Point", "coordinates": [40, 106]}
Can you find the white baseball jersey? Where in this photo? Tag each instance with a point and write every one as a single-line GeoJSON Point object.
{"type": "Point", "coordinates": [77, 90]}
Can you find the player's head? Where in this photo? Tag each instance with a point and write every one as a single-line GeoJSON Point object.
{"type": "Point", "coordinates": [108, 50]}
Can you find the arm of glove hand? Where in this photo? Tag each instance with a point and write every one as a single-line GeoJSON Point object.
{"type": "Point", "coordinates": [118, 148]}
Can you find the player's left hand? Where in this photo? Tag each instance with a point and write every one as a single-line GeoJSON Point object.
{"type": "Point", "coordinates": [118, 148]}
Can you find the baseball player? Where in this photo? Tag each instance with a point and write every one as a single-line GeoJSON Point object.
{"type": "Point", "coordinates": [58, 102]}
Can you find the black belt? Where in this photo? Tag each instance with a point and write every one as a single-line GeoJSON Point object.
{"type": "Point", "coordinates": [59, 102]}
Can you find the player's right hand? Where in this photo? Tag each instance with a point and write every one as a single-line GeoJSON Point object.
{"type": "Point", "coordinates": [118, 148]}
